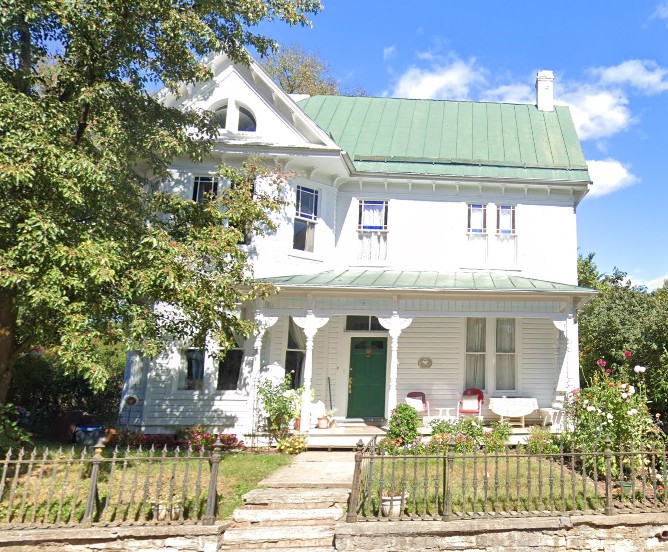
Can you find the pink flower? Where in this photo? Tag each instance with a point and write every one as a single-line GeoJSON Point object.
{"type": "Point", "coordinates": [628, 354]}
{"type": "Point", "coordinates": [608, 371]}
{"type": "Point", "coordinates": [601, 362]}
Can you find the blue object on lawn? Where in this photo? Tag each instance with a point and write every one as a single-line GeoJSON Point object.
{"type": "Point", "coordinates": [88, 435]}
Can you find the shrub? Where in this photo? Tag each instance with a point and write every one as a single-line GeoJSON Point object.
{"type": "Point", "coordinates": [11, 434]}
{"type": "Point", "coordinates": [541, 441]}
{"type": "Point", "coordinates": [467, 435]}
{"type": "Point", "coordinates": [403, 427]}
{"type": "Point", "coordinates": [198, 437]}
{"type": "Point", "coordinates": [125, 438]}
{"type": "Point", "coordinates": [281, 403]}
{"type": "Point", "coordinates": [292, 445]}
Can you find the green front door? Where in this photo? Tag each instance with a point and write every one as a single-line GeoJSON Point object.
{"type": "Point", "coordinates": [366, 383]}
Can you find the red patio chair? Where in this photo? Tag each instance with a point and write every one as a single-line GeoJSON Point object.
{"type": "Point", "coordinates": [471, 403]}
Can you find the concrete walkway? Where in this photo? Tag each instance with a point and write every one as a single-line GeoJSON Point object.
{"type": "Point", "coordinates": [296, 507]}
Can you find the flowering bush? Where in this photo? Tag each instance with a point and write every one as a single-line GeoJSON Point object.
{"type": "Point", "coordinates": [540, 441]}
{"type": "Point", "coordinates": [402, 432]}
{"type": "Point", "coordinates": [614, 405]}
{"type": "Point", "coordinates": [127, 438]}
{"type": "Point", "coordinates": [198, 437]}
{"type": "Point", "coordinates": [467, 435]}
{"type": "Point", "coordinates": [292, 445]}
{"type": "Point", "coordinates": [281, 403]}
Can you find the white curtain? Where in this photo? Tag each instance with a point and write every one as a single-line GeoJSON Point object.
{"type": "Point", "coordinates": [505, 220]}
{"type": "Point", "coordinates": [373, 246]}
{"type": "Point", "coordinates": [505, 357]}
{"type": "Point", "coordinates": [373, 216]}
{"type": "Point", "coordinates": [475, 352]}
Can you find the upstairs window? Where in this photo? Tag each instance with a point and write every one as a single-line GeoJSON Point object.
{"type": "Point", "coordinates": [220, 117]}
{"type": "Point", "coordinates": [305, 219]}
{"type": "Point", "coordinates": [372, 229]}
{"type": "Point", "coordinates": [477, 218]}
{"type": "Point", "coordinates": [205, 187]}
{"type": "Point", "coordinates": [505, 220]}
{"type": "Point", "coordinates": [246, 120]}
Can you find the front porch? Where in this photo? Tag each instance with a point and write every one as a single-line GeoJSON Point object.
{"type": "Point", "coordinates": [347, 433]}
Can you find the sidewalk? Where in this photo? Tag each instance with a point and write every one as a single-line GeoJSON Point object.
{"type": "Point", "coordinates": [315, 469]}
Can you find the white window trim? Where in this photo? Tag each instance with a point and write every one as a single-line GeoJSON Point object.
{"type": "Point", "coordinates": [513, 231]}
{"type": "Point", "coordinates": [490, 389]}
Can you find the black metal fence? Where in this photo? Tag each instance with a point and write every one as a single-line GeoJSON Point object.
{"type": "Point", "coordinates": [512, 482]}
{"type": "Point", "coordinates": [57, 487]}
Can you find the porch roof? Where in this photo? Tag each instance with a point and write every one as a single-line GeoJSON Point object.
{"type": "Point", "coordinates": [423, 281]}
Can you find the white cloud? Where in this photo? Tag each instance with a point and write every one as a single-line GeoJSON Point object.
{"type": "Point", "coordinates": [644, 74]}
{"type": "Point", "coordinates": [597, 112]}
{"type": "Point", "coordinates": [661, 11]}
{"type": "Point", "coordinates": [510, 93]}
{"type": "Point", "coordinates": [652, 284]}
{"type": "Point", "coordinates": [451, 81]}
{"type": "Point", "coordinates": [389, 52]}
{"type": "Point", "coordinates": [609, 175]}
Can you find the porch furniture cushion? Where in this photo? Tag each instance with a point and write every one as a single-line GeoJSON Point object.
{"type": "Point", "coordinates": [418, 400]}
{"type": "Point", "coordinates": [470, 403]}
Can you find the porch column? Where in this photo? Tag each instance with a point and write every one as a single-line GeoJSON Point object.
{"type": "Point", "coordinates": [395, 325]}
{"type": "Point", "coordinates": [310, 324]}
{"type": "Point", "coordinates": [263, 324]}
{"type": "Point", "coordinates": [569, 371]}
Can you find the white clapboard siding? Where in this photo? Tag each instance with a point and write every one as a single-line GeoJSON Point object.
{"type": "Point", "coordinates": [539, 362]}
{"type": "Point", "coordinates": [440, 340]}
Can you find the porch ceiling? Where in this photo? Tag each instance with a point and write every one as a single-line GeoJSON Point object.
{"type": "Point", "coordinates": [423, 281]}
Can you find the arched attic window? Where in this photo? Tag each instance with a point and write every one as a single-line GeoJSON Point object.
{"type": "Point", "coordinates": [246, 120]}
{"type": "Point", "coordinates": [220, 117]}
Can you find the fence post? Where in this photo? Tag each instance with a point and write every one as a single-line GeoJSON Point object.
{"type": "Point", "coordinates": [447, 481]}
{"type": "Point", "coordinates": [212, 497]}
{"type": "Point", "coordinates": [609, 510]}
{"type": "Point", "coordinates": [355, 492]}
{"type": "Point", "coordinates": [92, 500]}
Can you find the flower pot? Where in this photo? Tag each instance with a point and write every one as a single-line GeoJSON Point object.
{"type": "Point", "coordinates": [323, 423]}
{"type": "Point", "coordinates": [298, 422]}
{"type": "Point", "coordinates": [391, 505]}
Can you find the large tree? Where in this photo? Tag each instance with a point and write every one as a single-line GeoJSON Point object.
{"type": "Point", "coordinates": [624, 317]}
{"type": "Point", "coordinates": [299, 71]}
{"type": "Point", "coordinates": [88, 245]}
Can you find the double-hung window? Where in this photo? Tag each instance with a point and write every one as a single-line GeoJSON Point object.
{"type": "Point", "coordinates": [295, 355]}
{"type": "Point", "coordinates": [229, 368]}
{"type": "Point", "coordinates": [191, 376]}
{"type": "Point", "coordinates": [305, 218]}
{"type": "Point", "coordinates": [476, 339]}
{"type": "Point", "coordinates": [477, 219]}
{"type": "Point", "coordinates": [505, 354]}
{"type": "Point", "coordinates": [505, 220]}
{"type": "Point", "coordinates": [372, 229]}
{"type": "Point", "coordinates": [205, 187]}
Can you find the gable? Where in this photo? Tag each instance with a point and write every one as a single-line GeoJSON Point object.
{"type": "Point", "coordinates": [279, 122]}
{"type": "Point", "coordinates": [452, 138]}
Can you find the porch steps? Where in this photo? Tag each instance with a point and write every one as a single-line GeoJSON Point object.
{"type": "Point", "coordinates": [290, 512]}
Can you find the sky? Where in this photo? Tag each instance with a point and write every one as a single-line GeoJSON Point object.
{"type": "Point", "coordinates": [610, 60]}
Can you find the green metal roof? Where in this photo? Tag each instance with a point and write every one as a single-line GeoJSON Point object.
{"type": "Point", "coordinates": [452, 138]}
{"type": "Point", "coordinates": [421, 281]}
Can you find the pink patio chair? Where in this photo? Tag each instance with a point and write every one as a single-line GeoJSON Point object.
{"type": "Point", "coordinates": [418, 400]}
{"type": "Point", "coordinates": [471, 403]}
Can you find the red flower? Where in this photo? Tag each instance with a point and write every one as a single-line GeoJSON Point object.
{"type": "Point", "coordinates": [608, 371]}
{"type": "Point", "coordinates": [628, 354]}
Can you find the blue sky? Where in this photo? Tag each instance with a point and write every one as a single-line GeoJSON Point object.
{"type": "Point", "coordinates": [610, 60]}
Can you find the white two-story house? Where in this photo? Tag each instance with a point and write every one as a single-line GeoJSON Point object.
{"type": "Point", "coordinates": [428, 246]}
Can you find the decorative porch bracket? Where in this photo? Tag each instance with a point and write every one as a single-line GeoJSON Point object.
{"type": "Point", "coordinates": [310, 324]}
{"type": "Point", "coordinates": [395, 325]}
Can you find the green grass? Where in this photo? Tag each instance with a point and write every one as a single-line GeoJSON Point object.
{"type": "Point", "coordinates": [479, 484]}
{"type": "Point", "coordinates": [52, 486]}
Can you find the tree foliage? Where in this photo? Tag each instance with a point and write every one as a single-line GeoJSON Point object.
{"type": "Point", "coordinates": [624, 317]}
{"type": "Point", "coordinates": [298, 71]}
{"type": "Point", "coordinates": [88, 244]}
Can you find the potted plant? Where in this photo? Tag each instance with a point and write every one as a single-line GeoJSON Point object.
{"type": "Point", "coordinates": [391, 502]}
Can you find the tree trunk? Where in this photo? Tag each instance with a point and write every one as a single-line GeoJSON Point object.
{"type": "Point", "coordinates": [7, 336]}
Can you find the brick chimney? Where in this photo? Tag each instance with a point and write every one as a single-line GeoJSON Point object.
{"type": "Point", "coordinates": [545, 90]}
